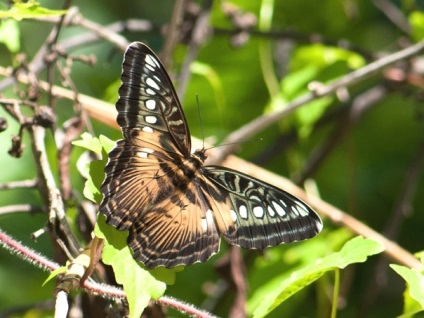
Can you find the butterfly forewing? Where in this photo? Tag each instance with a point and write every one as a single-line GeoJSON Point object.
{"type": "Point", "coordinates": [175, 208]}
{"type": "Point", "coordinates": [147, 100]}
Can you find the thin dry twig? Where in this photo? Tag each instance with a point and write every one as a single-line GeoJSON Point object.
{"type": "Point", "coordinates": [106, 291]}
{"type": "Point", "coordinates": [260, 123]}
{"type": "Point", "coordinates": [19, 208]}
{"type": "Point", "coordinates": [394, 14]}
{"type": "Point", "coordinates": [49, 191]}
{"type": "Point", "coordinates": [31, 183]}
{"type": "Point", "coordinates": [198, 36]}
{"type": "Point", "coordinates": [359, 106]}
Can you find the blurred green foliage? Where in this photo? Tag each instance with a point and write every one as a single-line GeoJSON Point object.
{"type": "Point", "coordinates": [363, 174]}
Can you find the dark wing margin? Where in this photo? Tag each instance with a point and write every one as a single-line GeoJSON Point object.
{"type": "Point", "coordinates": [147, 99]}
{"type": "Point", "coordinates": [264, 215]}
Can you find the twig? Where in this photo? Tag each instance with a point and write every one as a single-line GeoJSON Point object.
{"type": "Point", "coordinates": [173, 31]}
{"type": "Point", "coordinates": [249, 130]}
{"type": "Point", "coordinates": [184, 307]}
{"type": "Point", "coordinates": [394, 14]}
{"type": "Point", "coordinates": [360, 104]}
{"type": "Point", "coordinates": [297, 37]}
{"type": "Point", "coordinates": [32, 183]}
{"type": "Point", "coordinates": [106, 291]}
{"type": "Point", "coordinates": [61, 307]}
{"type": "Point", "coordinates": [96, 108]}
{"type": "Point", "coordinates": [48, 189]}
{"type": "Point", "coordinates": [73, 18]}
{"type": "Point", "coordinates": [19, 208]}
{"type": "Point", "coordinates": [26, 253]}
{"type": "Point", "coordinates": [197, 38]}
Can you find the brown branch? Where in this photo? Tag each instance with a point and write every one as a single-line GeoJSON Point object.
{"type": "Point", "coordinates": [49, 191]}
{"type": "Point", "coordinates": [105, 291]}
{"type": "Point", "coordinates": [257, 125]}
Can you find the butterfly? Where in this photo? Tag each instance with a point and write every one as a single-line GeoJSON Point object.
{"type": "Point", "coordinates": [175, 208]}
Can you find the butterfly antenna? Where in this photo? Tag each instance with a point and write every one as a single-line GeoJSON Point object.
{"type": "Point", "coordinates": [236, 143]}
{"type": "Point", "coordinates": [201, 121]}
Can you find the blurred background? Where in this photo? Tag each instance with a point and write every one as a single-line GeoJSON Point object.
{"type": "Point", "coordinates": [363, 148]}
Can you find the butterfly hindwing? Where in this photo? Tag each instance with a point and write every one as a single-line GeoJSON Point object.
{"type": "Point", "coordinates": [166, 226]}
{"type": "Point", "coordinates": [174, 233]}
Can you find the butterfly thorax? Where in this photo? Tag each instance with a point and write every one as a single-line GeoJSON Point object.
{"type": "Point", "coordinates": [190, 166]}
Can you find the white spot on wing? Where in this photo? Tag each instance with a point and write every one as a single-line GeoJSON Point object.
{"type": "Point", "coordinates": [150, 92]}
{"type": "Point", "coordinates": [204, 225]}
{"type": "Point", "coordinates": [255, 198]}
{"type": "Point", "coordinates": [146, 151]}
{"type": "Point", "coordinates": [233, 215]}
{"type": "Point", "coordinates": [151, 68]}
{"type": "Point", "coordinates": [279, 209]}
{"type": "Point", "coordinates": [147, 129]}
{"type": "Point", "coordinates": [207, 220]}
{"type": "Point", "coordinates": [271, 211]}
{"type": "Point", "coordinates": [142, 154]}
{"type": "Point", "coordinates": [152, 83]}
{"type": "Point", "coordinates": [150, 119]}
{"type": "Point", "coordinates": [295, 210]}
{"type": "Point", "coordinates": [302, 209]}
{"type": "Point", "coordinates": [258, 211]}
{"type": "Point", "coordinates": [150, 104]}
{"type": "Point", "coordinates": [319, 226]}
{"type": "Point", "coordinates": [150, 60]}
{"type": "Point", "coordinates": [243, 211]}
{"type": "Point", "coordinates": [283, 203]}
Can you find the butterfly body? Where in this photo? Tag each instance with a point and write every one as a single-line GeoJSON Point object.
{"type": "Point", "coordinates": [175, 208]}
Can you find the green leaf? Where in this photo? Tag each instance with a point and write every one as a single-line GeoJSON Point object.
{"type": "Point", "coordinates": [322, 56]}
{"type": "Point", "coordinates": [139, 284]}
{"type": "Point", "coordinates": [28, 10]}
{"type": "Point", "coordinates": [10, 34]}
{"type": "Point", "coordinates": [354, 251]}
{"type": "Point", "coordinates": [55, 273]}
{"type": "Point", "coordinates": [94, 172]}
{"type": "Point", "coordinates": [308, 115]}
{"type": "Point", "coordinates": [92, 185]}
{"type": "Point", "coordinates": [107, 143]}
{"type": "Point", "coordinates": [415, 287]}
{"type": "Point", "coordinates": [416, 20]}
{"type": "Point", "coordinates": [89, 142]}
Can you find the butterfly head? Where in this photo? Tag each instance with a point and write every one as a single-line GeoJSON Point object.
{"type": "Point", "coordinates": [200, 155]}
